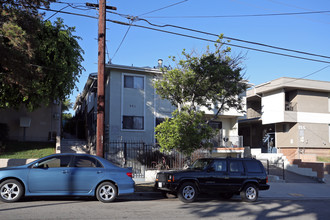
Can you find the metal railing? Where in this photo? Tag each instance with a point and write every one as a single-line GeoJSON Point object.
{"type": "Point", "coordinates": [274, 168]}
{"type": "Point", "coordinates": [227, 142]}
{"type": "Point", "coordinates": [291, 106]}
{"type": "Point", "coordinates": [141, 156]}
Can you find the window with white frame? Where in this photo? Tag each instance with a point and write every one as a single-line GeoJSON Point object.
{"type": "Point", "coordinates": [134, 82]}
{"type": "Point", "coordinates": [133, 122]}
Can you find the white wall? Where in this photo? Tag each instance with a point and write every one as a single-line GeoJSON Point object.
{"type": "Point", "coordinates": [307, 117]}
{"type": "Point", "coordinates": [273, 106]}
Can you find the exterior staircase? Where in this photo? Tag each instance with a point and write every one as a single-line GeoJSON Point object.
{"type": "Point", "coordinates": [73, 146]}
{"type": "Point", "coordinates": [278, 159]}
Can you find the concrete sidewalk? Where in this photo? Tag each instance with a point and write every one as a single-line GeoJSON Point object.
{"type": "Point", "coordinates": [291, 191]}
{"type": "Point", "coordinates": [298, 190]}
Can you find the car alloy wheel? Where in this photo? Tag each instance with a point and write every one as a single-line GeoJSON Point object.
{"type": "Point", "coordinates": [106, 192]}
{"type": "Point", "coordinates": [249, 193]}
{"type": "Point", "coordinates": [187, 192]}
{"type": "Point", "coordinates": [11, 191]}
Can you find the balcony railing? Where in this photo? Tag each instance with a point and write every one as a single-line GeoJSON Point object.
{"type": "Point", "coordinates": [291, 106]}
{"type": "Point", "coordinates": [228, 142]}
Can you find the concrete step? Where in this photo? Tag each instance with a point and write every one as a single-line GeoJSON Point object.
{"type": "Point", "coordinates": [301, 171]}
{"type": "Point", "coordinates": [73, 146]}
{"type": "Point", "coordinates": [73, 142]}
{"type": "Point", "coordinates": [278, 159]}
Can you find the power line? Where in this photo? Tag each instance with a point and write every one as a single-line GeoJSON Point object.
{"type": "Point", "coordinates": [214, 41]}
{"type": "Point", "coordinates": [257, 6]}
{"type": "Point", "coordinates": [69, 13]}
{"type": "Point", "coordinates": [189, 36]}
{"type": "Point", "coordinates": [80, 6]}
{"type": "Point", "coordinates": [289, 5]}
{"type": "Point", "coordinates": [56, 12]}
{"type": "Point", "coordinates": [129, 27]}
{"type": "Point", "coordinates": [239, 16]}
{"type": "Point", "coordinates": [315, 72]}
{"type": "Point", "coordinates": [235, 39]}
{"type": "Point", "coordinates": [293, 80]}
{"type": "Point", "coordinates": [164, 7]}
{"type": "Point", "coordinates": [229, 38]}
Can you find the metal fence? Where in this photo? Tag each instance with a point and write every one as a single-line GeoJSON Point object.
{"type": "Point", "coordinates": [228, 141]}
{"type": "Point", "coordinates": [141, 156]}
{"type": "Point", "coordinates": [274, 168]}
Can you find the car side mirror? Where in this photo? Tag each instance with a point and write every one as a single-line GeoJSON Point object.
{"type": "Point", "coordinates": [36, 165]}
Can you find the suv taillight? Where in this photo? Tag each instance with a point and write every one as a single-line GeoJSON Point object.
{"type": "Point", "coordinates": [129, 174]}
{"type": "Point", "coordinates": [267, 179]}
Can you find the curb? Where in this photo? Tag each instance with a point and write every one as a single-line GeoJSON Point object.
{"type": "Point", "coordinates": [157, 195]}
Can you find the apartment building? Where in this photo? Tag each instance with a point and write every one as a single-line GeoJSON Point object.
{"type": "Point", "coordinates": [42, 124]}
{"type": "Point", "coordinates": [133, 109]}
{"type": "Point", "coordinates": [290, 116]}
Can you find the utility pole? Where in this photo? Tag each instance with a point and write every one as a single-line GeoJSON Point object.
{"type": "Point", "coordinates": [100, 74]}
{"type": "Point", "coordinates": [100, 80]}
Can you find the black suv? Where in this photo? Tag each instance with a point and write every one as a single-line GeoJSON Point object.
{"type": "Point", "coordinates": [226, 176]}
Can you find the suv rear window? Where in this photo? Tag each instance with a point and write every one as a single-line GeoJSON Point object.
{"type": "Point", "coordinates": [253, 167]}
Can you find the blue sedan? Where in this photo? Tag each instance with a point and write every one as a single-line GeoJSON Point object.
{"type": "Point", "coordinates": [66, 175]}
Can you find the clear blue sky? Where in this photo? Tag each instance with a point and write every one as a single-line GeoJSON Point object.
{"type": "Point", "coordinates": [142, 47]}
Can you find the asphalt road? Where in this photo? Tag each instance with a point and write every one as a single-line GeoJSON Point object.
{"type": "Point", "coordinates": [157, 208]}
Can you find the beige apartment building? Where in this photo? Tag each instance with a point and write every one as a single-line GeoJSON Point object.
{"type": "Point", "coordinates": [42, 124]}
{"type": "Point", "coordinates": [289, 116]}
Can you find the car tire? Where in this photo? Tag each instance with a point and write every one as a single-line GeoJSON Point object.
{"type": "Point", "coordinates": [188, 192]}
{"type": "Point", "coordinates": [106, 192]}
{"type": "Point", "coordinates": [226, 196]}
{"type": "Point", "coordinates": [11, 191]}
{"type": "Point", "coordinates": [164, 194]}
{"type": "Point", "coordinates": [250, 193]}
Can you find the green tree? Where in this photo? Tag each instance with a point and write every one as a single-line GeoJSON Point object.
{"type": "Point", "coordinates": [66, 105]}
{"type": "Point", "coordinates": [40, 61]}
{"type": "Point", "coordinates": [212, 80]}
{"type": "Point", "coordinates": [68, 121]}
{"type": "Point", "coordinates": [185, 132]}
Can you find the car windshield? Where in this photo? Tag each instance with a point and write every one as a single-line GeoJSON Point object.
{"type": "Point", "coordinates": [200, 164]}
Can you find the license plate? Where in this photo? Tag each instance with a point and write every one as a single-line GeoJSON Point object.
{"type": "Point", "coordinates": [160, 185]}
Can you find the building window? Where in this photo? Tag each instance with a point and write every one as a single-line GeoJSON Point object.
{"type": "Point", "coordinates": [216, 125]}
{"type": "Point", "coordinates": [159, 121]}
{"type": "Point", "coordinates": [133, 122]}
{"type": "Point", "coordinates": [134, 82]}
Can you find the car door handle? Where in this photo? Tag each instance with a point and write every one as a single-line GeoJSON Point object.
{"type": "Point", "coordinates": [65, 171]}
{"type": "Point", "coordinates": [98, 172]}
